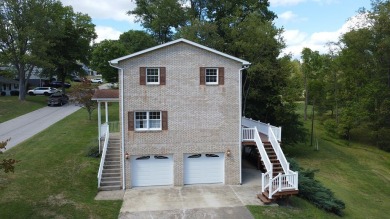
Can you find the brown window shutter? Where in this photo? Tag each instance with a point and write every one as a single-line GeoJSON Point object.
{"type": "Point", "coordinates": [202, 76]}
{"type": "Point", "coordinates": [130, 121]}
{"type": "Point", "coordinates": [142, 76]}
{"type": "Point", "coordinates": [164, 120]}
{"type": "Point", "coordinates": [162, 75]}
{"type": "Point", "coordinates": [221, 76]}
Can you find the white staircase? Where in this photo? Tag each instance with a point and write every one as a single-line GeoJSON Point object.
{"type": "Point", "coordinates": [109, 176]}
{"type": "Point", "coordinates": [278, 180]}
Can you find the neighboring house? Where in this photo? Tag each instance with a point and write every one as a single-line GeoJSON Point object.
{"type": "Point", "coordinates": [8, 85]}
{"type": "Point", "coordinates": [180, 112]}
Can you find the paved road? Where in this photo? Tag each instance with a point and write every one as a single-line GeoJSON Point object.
{"type": "Point", "coordinates": [26, 126]}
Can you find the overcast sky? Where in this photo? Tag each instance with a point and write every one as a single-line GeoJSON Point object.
{"type": "Point", "coordinates": [307, 23]}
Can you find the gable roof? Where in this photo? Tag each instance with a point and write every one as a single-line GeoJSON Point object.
{"type": "Point", "coordinates": [8, 81]}
{"type": "Point", "coordinates": [181, 40]}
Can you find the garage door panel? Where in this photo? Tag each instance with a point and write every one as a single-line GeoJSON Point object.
{"type": "Point", "coordinates": [151, 171]}
{"type": "Point", "coordinates": [203, 168]}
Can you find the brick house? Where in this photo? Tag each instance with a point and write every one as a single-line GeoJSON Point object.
{"type": "Point", "coordinates": [180, 116]}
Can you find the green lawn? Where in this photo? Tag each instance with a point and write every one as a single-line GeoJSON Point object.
{"type": "Point", "coordinates": [54, 178]}
{"type": "Point", "coordinates": [358, 174]}
{"type": "Point", "coordinates": [11, 107]}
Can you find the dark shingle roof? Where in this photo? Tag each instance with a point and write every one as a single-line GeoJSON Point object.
{"type": "Point", "coordinates": [107, 94]}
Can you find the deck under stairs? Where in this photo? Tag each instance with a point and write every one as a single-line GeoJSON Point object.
{"type": "Point", "coordinates": [111, 176]}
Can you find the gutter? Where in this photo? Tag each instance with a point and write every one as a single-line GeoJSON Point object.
{"type": "Point", "coordinates": [244, 66]}
{"type": "Point", "coordinates": [122, 124]}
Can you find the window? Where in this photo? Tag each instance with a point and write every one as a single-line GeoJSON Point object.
{"type": "Point", "coordinates": [211, 76]}
{"type": "Point", "coordinates": [152, 76]}
{"type": "Point", "coordinates": [149, 120]}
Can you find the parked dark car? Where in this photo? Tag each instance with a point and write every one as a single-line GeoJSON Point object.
{"type": "Point", "coordinates": [58, 84]}
{"type": "Point", "coordinates": [58, 99]}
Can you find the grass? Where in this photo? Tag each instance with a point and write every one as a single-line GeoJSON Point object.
{"type": "Point", "coordinates": [296, 208]}
{"type": "Point", "coordinates": [54, 178]}
{"type": "Point", "coordinates": [11, 107]}
{"type": "Point", "coordinates": [358, 174]}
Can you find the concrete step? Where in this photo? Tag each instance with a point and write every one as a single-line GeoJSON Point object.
{"type": "Point", "coordinates": [112, 162]}
{"type": "Point", "coordinates": [114, 174]}
{"type": "Point", "coordinates": [112, 170]}
{"type": "Point", "coordinates": [107, 166]}
{"type": "Point", "coordinates": [110, 183]}
{"type": "Point", "coordinates": [110, 188]}
{"type": "Point", "coordinates": [111, 179]}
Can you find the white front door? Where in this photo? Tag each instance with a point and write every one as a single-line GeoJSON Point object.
{"type": "Point", "coordinates": [204, 168]}
{"type": "Point", "coordinates": [151, 170]}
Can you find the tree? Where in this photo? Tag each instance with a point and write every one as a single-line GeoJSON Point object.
{"type": "Point", "coordinates": [129, 42]}
{"type": "Point", "coordinates": [136, 40]}
{"type": "Point", "coordinates": [102, 53]}
{"type": "Point", "coordinates": [160, 17]}
{"type": "Point", "coordinates": [82, 95]}
{"type": "Point", "coordinates": [71, 46]}
{"type": "Point", "coordinates": [24, 27]}
{"type": "Point", "coordinates": [6, 164]}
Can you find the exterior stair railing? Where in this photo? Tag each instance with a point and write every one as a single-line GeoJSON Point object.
{"type": "Point", "coordinates": [103, 158]}
{"type": "Point", "coordinates": [283, 181]}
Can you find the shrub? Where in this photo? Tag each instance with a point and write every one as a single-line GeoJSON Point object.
{"type": "Point", "coordinates": [313, 191]}
{"type": "Point", "coordinates": [2, 93]}
{"type": "Point", "coordinates": [14, 93]}
{"type": "Point", "coordinates": [93, 151]}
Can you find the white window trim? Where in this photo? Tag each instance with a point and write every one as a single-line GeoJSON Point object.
{"type": "Point", "coordinates": [147, 121]}
{"type": "Point", "coordinates": [158, 77]}
{"type": "Point", "coordinates": [211, 83]}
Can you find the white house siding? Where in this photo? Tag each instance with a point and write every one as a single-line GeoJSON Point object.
{"type": "Point", "coordinates": [201, 118]}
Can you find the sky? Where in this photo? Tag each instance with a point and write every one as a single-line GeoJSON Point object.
{"type": "Point", "coordinates": [306, 23]}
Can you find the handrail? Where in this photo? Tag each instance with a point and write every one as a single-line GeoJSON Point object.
{"type": "Point", "coordinates": [103, 158]}
{"type": "Point", "coordinates": [278, 150]}
{"type": "Point", "coordinates": [262, 127]}
{"type": "Point", "coordinates": [253, 134]}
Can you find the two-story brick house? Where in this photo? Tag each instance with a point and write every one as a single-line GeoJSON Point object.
{"type": "Point", "coordinates": [181, 103]}
{"type": "Point", "coordinates": [181, 123]}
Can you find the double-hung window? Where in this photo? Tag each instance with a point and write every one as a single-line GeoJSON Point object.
{"type": "Point", "coordinates": [211, 76]}
{"type": "Point", "coordinates": [152, 76]}
{"type": "Point", "coordinates": [148, 120]}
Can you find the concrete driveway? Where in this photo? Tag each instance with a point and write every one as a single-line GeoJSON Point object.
{"type": "Point", "coordinates": [26, 126]}
{"type": "Point", "coordinates": [198, 201]}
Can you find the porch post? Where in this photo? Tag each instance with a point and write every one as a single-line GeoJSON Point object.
{"type": "Point", "coordinates": [99, 125]}
{"type": "Point", "coordinates": [106, 107]}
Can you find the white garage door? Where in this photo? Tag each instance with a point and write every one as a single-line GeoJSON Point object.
{"type": "Point", "coordinates": [204, 168]}
{"type": "Point", "coordinates": [151, 170]}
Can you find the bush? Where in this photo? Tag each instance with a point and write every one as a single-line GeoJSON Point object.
{"type": "Point", "coordinates": [93, 151]}
{"type": "Point", "coordinates": [2, 93]}
{"type": "Point", "coordinates": [313, 191]}
{"type": "Point", "coordinates": [14, 93]}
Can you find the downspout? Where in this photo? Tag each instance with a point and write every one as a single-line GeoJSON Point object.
{"type": "Point", "coordinates": [240, 117]}
{"type": "Point", "coordinates": [122, 125]}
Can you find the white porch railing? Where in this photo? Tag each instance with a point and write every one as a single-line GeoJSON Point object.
{"type": "Point", "coordinates": [103, 158]}
{"type": "Point", "coordinates": [262, 127]}
{"type": "Point", "coordinates": [253, 134]}
{"type": "Point", "coordinates": [281, 182]}
{"type": "Point", "coordinates": [278, 151]}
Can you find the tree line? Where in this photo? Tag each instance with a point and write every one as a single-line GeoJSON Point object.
{"type": "Point", "coordinates": [349, 87]}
